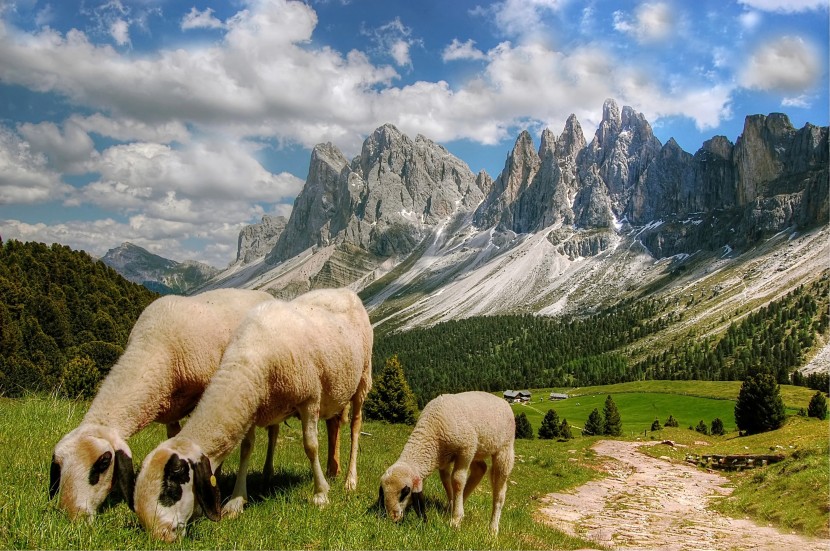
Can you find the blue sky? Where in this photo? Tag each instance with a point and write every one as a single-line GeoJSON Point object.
{"type": "Point", "coordinates": [171, 124]}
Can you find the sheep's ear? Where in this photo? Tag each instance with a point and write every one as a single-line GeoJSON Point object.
{"type": "Point", "coordinates": [206, 489]}
{"type": "Point", "coordinates": [419, 504]}
{"type": "Point", "coordinates": [54, 478]}
{"type": "Point", "coordinates": [417, 485]}
{"type": "Point", "coordinates": [124, 476]}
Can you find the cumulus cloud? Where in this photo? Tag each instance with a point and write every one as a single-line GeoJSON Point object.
{"type": "Point", "coordinates": [196, 19]}
{"type": "Point", "coordinates": [785, 6]}
{"type": "Point", "coordinates": [652, 22]}
{"type": "Point", "coordinates": [67, 148]}
{"type": "Point", "coordinates": [393, 39]}
{"type": "Point", "coordinates": [462, 50]}
{"type": "Point", "coordinates": [25, 176]}
{"type": "Point", "coordinates": [787, 64]}
{"type": "Point", "coordinates": [129, 129]}
{"type": "Point", "coordinates": [520, 18]}
{"type": "Point", "coordinates": [120, 32]}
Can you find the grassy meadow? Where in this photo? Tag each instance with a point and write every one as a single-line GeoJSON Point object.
{"type": "Point", "coordinates": [280, 515]}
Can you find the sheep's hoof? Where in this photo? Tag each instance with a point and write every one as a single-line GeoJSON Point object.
{"type": "Point", "coordinates": [351, 484]}
{"type": "Point", "coordinates": [233, 508]}
{"type": "Point", "coordinates": [455, 522]}
{"type": "Point", "coordinates": [320, 499]}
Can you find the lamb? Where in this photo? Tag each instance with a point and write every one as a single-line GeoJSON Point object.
{"type": "Point", "coordinates": [171, 354]}
{"type": "Point", "coordinates": [454, 434]}
{"type": "Point", "coordinates": [310, 357]}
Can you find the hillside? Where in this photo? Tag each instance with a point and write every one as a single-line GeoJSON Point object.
{"type": "Point", "coordinates": [157, 273]}
{"type": "Point", "coordinates": [64, 318]}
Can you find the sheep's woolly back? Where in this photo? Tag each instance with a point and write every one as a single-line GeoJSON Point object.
{"type": "Point", "coordinates": [317, 347]}
{"type": "Point", "coordinates": [476, 421]}
{"type": "Point", "coordinates": [173, 350]}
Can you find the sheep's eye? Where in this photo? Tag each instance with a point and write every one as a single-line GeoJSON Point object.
{"type": "Point", "coordinates": [99, 467]}
{"type": "Point", "coordinates": [404, 493]}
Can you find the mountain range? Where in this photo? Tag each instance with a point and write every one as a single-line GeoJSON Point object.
{"type": "Point", "coordinates": [157, 273]}
{"type": "Point", "coordinates": [566, 227]}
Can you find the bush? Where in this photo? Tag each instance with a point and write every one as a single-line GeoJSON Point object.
{"type": "Point", "coordinates": [818, 406]}
{"type": "Point", "coordinates": [549, 430]}
{"type": "Point", "coordinates": [702, 428]}
{"type": "Point", "coordinates": [565, 430]}
{"type": "Point", "coordinates": [656, 425]}
{"type": "Point", "coordinates": [759, 407]}
{"type": "Point", "coordinates": [595, 425]}
{"type": "Point", "coordinates": [80, 378]}
{"type": "Point", "coordinates": [671, 422]}
{"type": "Point", "coordinates": [391, 399]}
{"type": "Point", "coordinates": [717, 427]}
{"type": "Point", "coordinates": [523, 428]}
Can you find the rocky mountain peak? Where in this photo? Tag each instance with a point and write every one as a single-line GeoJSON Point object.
{"type": "Point", "coordinates": [256, 240]}
{"type": "Point", "coordinates": [571, 141]}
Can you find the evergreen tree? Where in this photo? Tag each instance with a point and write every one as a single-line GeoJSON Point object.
{"type": "Point", "coordinates": [818, 406]}
{"type": "Point", "coordinates": [671, 422]}
{"type": "Point", "coordinates": [549, 430]}
{"type": "Point", "coordinates": [391, 399]}
{"type": "Point", "coordinates": [702, 428]}
{"type": "Point", "coordinates": [656, 425]}
{"type": "Point", "coordinates": [613, 423]}
{"type": "Point", "coordinates": [565, 430]}
{"type": "Point", "coordinates": [717, 427]}
{"type": "Point", "coordinates": [523, 428]}
{"type": "Point", "coordinates": [759, 407]}
{"type": "Point", "coordinates": [595, 425]}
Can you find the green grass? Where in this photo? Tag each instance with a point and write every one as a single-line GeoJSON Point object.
{"type": "Point", "coordinates": [279, 516]}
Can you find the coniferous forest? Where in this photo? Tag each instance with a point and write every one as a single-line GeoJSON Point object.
{"type": "Point", "coordinates": [64, 318]}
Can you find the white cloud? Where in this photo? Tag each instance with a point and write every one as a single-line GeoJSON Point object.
{"type": "Point", "coordinates": [787, 64]}
{"type": "Point", "coordinates": [67, 149]}
{"type": "Point", "coordinates": [462, 50]}
{"type": "Point", "coordinates": [652, 22]}
{"type": "Point", "coordinates": [196, 19]}
{"type": "Point", "coordinates": [394, 39]}
{"type": "Point", "coordinates": [400, 53]}
{"type": "Point", "coordinates": [120, 32]}
{"type": "Point", "coordinates": [785, 6]}
{"type": "Point", "coordinates": [520, 18]}
{"type": "Point", "coordinates": [803, 101]}
{"type": "Point", "coordinates": [129, 129]}
{"type": "Point", "coordinates": [24, 175]}
{"type": "Point", "coordinates": [749, 20]}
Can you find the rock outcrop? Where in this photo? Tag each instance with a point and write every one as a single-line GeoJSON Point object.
{"type": "Point", "coordinates": [256, 240]}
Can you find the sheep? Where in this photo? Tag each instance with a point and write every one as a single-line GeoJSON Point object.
{"type": "Point", "coordinates": [310, 357]}
{"type": "Point", "coordinates": [454, 434]}
{"type": "Point", "coordinates": [171, 354]}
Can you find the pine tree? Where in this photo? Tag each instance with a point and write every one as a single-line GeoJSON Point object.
{"type": "Point", "coordinates": [671, 422]}
{"type": "Point", "coordinates": [717, 427]}
{"type": "Point", "coordinates": [759, 407]}
{"type": "Point", "coordinates": [549, 430]}
{"type": "Point", "coordinates": [523, 428]}
{"type": "Point", "coordinates": [595, 425]}
{"type": "Point", "coordinates": [818, 406]}
{"type": "Point", "coordinates": [702, 428]}
{"type": "Point", "coordinates": [613, 423]}
{"type": "Point", "coordinates": [656, 425]}
{"type": "Point", "coordinates": [391, 399]}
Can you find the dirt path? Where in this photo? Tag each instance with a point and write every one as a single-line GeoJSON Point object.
{"type": "Point", "coordinates": [648, 503]}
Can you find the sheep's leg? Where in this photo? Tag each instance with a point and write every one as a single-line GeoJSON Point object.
{"type": "Point", "coordinates": [357, 423]}
{"type": "Point", "coordinates": [333, 433]}
{"type": "Point", "coordinates": [459, 481]}
{"type": "Point", "coordinates": [502, 465]}
{"type": "Point", "coordinates": [309, 414]}
{"type": "Point", "coordinates": [173, 429]}
{"type": "Point", "coordinates": [477, 470]}
{"type": "Point", "coordinates": [240, 489]}
{"type": "Point", "coordinates": [268, 468]}
{"type": "Point", "coordinates": [446, 480]}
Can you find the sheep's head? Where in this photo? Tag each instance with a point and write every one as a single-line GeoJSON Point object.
{"type": "Point", "coordinates": [400, 486]}
{"type": "Point", "coordinates": [86, 464]}
{"type": "Point", "coordinates": [174, 482]}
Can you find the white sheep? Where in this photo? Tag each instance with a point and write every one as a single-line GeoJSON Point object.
{"type": "Point", "coordinates": [454, 434]}
{"type": "Point", "coordinates": [310, 357]}
{"type": "Point", "coordinates": [173, 350]}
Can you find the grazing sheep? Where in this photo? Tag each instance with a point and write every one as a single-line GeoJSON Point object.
{"type": "Point", "coordinates": [310, 357]}
{"type": "Point", "coordinates": [454, 434]}
{"type": "Point", "coordinates": [173, 350]}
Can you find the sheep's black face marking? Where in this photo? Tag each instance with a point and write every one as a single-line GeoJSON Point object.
{"type": "Point", "coordinates": [54, 478]}
{"type": "Point", "coordinates": [100, 467]}
{"type": "Point", "coordinates": [404, 493]}
{"type": "Point", "coordinates": [176, 473]}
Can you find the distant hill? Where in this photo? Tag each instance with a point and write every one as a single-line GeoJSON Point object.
{"type": "Point", "coordinates": [64, 318]}
{"type": "Point", "coordinates": [157, 273]}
